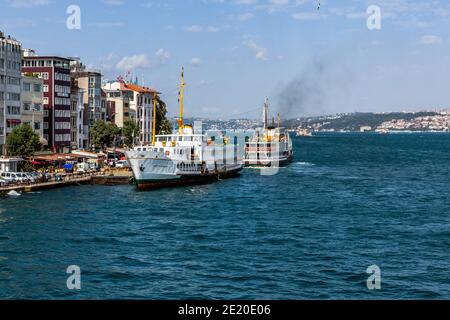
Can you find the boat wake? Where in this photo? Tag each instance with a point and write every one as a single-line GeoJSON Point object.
{"type": "Point", "coordinates": [304, 164]}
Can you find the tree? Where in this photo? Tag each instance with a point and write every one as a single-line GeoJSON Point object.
{"type": "Point", "coordinates": [130, 132]}
{"type": "Point", "coordinates": [104, 134]}
{"type": "Point", "coordinates": [23, 141]}
{"type": "Point", "coordinates": [163, 125]}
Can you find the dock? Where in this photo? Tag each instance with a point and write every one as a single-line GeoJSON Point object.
{"type": "Point", "coordinates": [70, 181]}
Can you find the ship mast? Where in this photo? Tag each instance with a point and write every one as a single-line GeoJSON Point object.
{"type": "Point", "coordinates": [180, 99]}
{"type": "Point", "coordinates": [266, 113]}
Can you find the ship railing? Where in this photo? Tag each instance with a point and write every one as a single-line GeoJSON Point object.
{"type": "Point", "coordinates": [189, 167]}
{"type": "Point", "coordinates": [262, 149]}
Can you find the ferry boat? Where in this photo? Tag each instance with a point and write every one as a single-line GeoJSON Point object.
{"type": "Point", "coordinates": [303, 133]}
{"type": "Point", "coordinates": [183, 158]}
{"type": "Point", "coordinates": [270, 146]}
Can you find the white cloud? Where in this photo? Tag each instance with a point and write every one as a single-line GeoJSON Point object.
{"type": "Point", "coordinates": [197, 28]}
{"type": "Point", "coordinates": [142, 61]}
{"type": "Point", "coordinates": [162, 56]}
{"type": "Point", "coordinates": [260, 51]}
{"type": "Point", "coordinates": [107, 24]}
{"type": "Point", "coordinates": [430, 40]}
{"type": "Point", "coordinates": [28, 3]}
{"type": "Point", "coordinates": [307, 16]}
{"type": "Point", "coordinates": [133, 62]}
{"type": "Point", "coordinates": [196, 61]}
{"type": "Point", "coordinates": [245, 16]}
{"type": "Point", "coordinates": [193, 28]}
{"type": "Point", "coordinates": [113, 2]}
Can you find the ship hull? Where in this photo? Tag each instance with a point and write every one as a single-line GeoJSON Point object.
{"type": "Point", "coordinates": [268, 163]}
{"type": "Point", "coordinates": [185, 180]}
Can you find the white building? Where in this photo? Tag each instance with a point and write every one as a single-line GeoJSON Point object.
{"type": "Point", "coordinates": [10, 86]}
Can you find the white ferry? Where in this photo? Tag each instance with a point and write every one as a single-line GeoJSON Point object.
{"type": "Point", "coordinates": [303, 133]}
{"type": "Point", "coordinates": [270, 146]}
{"type": "Point", "coordinates": [183, 158]}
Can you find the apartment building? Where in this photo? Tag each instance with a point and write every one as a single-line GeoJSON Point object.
{"type": "Point", "coordinates": [79, 118]}
{"type": "Point", "coordinates": [118, 104]}
{"type": "Point", "coordinates": [10, 87]}
{"type": "Point", "coordinates": [32, 111]}
{"type": "Point", "coordinates": [141, 106]}
{"type": "Point", "coordinates": [55, 72]}
{"type": "Point", "coordinates": [90, 81]}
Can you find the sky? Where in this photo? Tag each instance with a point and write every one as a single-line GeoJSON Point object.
{"type": "Point", "coordinates": [306, 60]}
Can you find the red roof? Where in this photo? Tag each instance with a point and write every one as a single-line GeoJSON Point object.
{"type": "Point", "coordinates": [137, 88]}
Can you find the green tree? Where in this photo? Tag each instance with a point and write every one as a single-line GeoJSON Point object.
{"type": "Point", "coordinates": [163, 125]}
{"type": "Point", "coordinates": [23, 141]}
{"type": "Point", "coordinates": [130, 132]}
{"type": "Point", "coordinates": [104, 134]}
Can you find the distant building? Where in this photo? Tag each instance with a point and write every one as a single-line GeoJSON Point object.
{"type": "Point", "coordinates": [365, 129]}
{"type": "Point", "coordinates": [10, 87]}
{"type": "Point", "coordinates": [141, 106]}
{"type": "Point", "coordinates": [55, 71]}
{"type": "Point", "coordinates": [118, 105]}
{"type": "Point", "coordinates": [79, 118]}
{"type": "Point", "coordinates": [32, 111]}
{"type": "Point", "coordinates": [90, 81]}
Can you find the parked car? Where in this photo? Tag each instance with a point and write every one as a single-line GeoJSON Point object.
{"type": "Point", "coordinates": [31, 177]}
{"type": "Point", "coordinates": [9, 177]}
{"type": "Point", "coordinates": [46, 177]}
{"type": "Point", "coordinates": [22, 177]}
{"type": "Point", "coordinates": [38, 177]}
{"type": "Point", "coordinates": [3, 182]}
{"type": "Point", "coordinates": [122, 164]}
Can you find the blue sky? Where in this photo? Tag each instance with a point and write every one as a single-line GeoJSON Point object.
{"type": "Point", "coordinates": [237, 52]}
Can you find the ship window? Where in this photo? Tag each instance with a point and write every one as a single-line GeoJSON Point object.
{"type": "Point", "coordinates": [139, 149]}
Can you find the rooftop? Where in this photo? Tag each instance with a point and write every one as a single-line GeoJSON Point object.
{"type": "Point", "coordinates": [137, 88]}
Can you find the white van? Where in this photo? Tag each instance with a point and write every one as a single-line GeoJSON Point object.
{"type": "Point", "coordinates": [83, 167]}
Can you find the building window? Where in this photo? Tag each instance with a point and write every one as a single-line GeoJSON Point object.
{"type": "Point", "coordinates": [37, 88]}
{"type": "Point", "coordinates": [45, 100]}
{"type": "Point", "coordinates": [46, 125]}
{"type": "Point", "coordinates": [45, 88]}
{"type": "Point", "coordinates": [26, 106]}
{"type": "Point", "coordinates": [26, 86]}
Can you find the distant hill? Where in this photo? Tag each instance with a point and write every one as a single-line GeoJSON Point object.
{"type": "Point", "coordinates": [354, 121]}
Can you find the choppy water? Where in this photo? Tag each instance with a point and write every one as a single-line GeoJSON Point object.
{"type": "Point", "coordinates": [347, 202]}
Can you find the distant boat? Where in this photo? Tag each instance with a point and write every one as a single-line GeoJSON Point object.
{"type": "Point", "coordinates": [303, 133]}
{"type": "Point", "coordinates": [382, 131]}
{"type": "Point", "coordinates": [270, 146]}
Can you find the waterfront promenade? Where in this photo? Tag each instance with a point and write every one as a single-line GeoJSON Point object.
{"type": "Point", "coordinates": [97, 178]}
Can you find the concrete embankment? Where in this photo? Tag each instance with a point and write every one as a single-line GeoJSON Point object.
{"type": "Point", "coordinates": [106, 180]}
